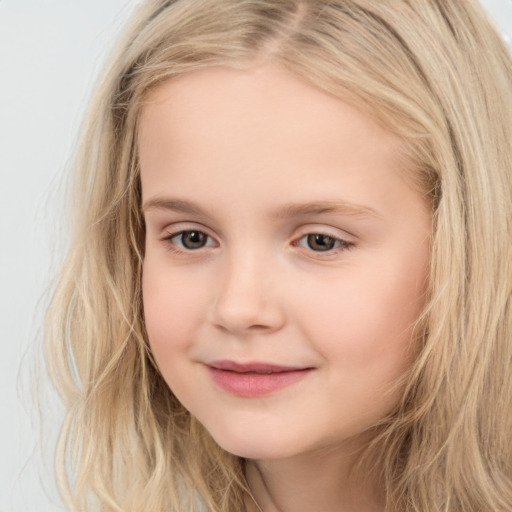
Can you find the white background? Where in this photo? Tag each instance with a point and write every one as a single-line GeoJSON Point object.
{"type": "Point", "coordinates": [50, 54]}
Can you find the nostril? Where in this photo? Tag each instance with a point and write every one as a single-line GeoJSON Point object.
{"type": "Point", "coordinates": [241, 327]}
{"type": "Point", "coordinates": [261, 318]}
{"type": "Point", "coordinates": [258, 327]}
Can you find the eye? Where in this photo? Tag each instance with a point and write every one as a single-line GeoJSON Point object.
{"type": "Point", "coordinates": [190, 240]}
{"type": "Point", "coordinates": [320, 242]}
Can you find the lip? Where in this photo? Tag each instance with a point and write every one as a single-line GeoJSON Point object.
{"type": "Point", "coordinates": [254, 379]}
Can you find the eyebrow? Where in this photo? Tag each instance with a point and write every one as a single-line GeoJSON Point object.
{"type": "Point", "coordinates": [176, 205]}
{"type": "Point", "coordinates": [322, 207]}
{"type": "Point", "coordinates": [285, 211]}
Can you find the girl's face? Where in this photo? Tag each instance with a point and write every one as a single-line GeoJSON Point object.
{"type": "Point", "coordinates": [286, 259]}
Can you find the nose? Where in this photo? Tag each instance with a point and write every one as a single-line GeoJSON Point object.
{"type": "Point", "coordinates": [246, 300]}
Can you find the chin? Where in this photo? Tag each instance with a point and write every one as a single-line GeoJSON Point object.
{"type": "Point", "coordinates": [258, 444]}
{"type": "Point", "coordinates": [255, 450]}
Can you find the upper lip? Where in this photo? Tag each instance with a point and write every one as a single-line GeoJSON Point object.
{"type": "Point", "coordinates": [255, 367]}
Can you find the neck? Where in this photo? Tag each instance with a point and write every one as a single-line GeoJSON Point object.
{"type": "Point", "coordinates": [324, 481]}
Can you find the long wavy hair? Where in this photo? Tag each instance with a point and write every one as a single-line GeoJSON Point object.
{"type": "Point", "coordinates": [434, 72]}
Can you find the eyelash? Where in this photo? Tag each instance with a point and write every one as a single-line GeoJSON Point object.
{"type": "Point", "coordinates": [171, 244]}
{"type": "Point", "coordinates": [339, 243]}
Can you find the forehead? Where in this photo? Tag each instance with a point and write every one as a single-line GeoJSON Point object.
{"type": "Point", "coordinates": [267, 104]}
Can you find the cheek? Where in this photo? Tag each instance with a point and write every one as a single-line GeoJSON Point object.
{"type": "Point", "coordinates": [364, 318]}
{"type": "Point", "coordinates": [172, 309]}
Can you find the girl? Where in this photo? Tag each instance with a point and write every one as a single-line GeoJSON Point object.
{"type": "Point", "coordinates": [289, 283]}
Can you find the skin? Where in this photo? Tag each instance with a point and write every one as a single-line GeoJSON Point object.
{"type": "Point", "coordinates": [241, 147]}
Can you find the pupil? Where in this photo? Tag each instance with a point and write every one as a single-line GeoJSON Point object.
{"type": "Point", "coordinates": [193, 239]}
{"type": "Point", "coordinates": [320, 242]}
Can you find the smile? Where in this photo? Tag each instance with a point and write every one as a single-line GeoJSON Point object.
{"type": "Point", "coordinates": [254, 379]}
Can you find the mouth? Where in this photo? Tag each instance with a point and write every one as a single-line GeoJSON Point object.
{"type": "Point", "coordinates": [254, 379]}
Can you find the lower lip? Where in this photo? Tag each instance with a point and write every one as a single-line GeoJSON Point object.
{"type": "Point", "coordinates": [252, 384]}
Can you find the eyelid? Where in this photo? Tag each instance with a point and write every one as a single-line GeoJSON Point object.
{"type": "Point", "coordinates": [343, 244]}
{"type": "Point", "coordinates": [322, 229]}
{"type": "Point", "coordinates": [181, 233]}
{"type": "Point", "coordinates": [179, 227]}
{"type": "Point", "coordinates": [175, 230]}
{"type": "Point", "coordinates": [345, 240]}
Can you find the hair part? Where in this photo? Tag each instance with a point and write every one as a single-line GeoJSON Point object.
{"type": "Point", "coordinates": [436, 74]}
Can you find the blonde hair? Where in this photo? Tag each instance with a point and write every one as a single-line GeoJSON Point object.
{"type": "Point", "coordinates": [436, 73]}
